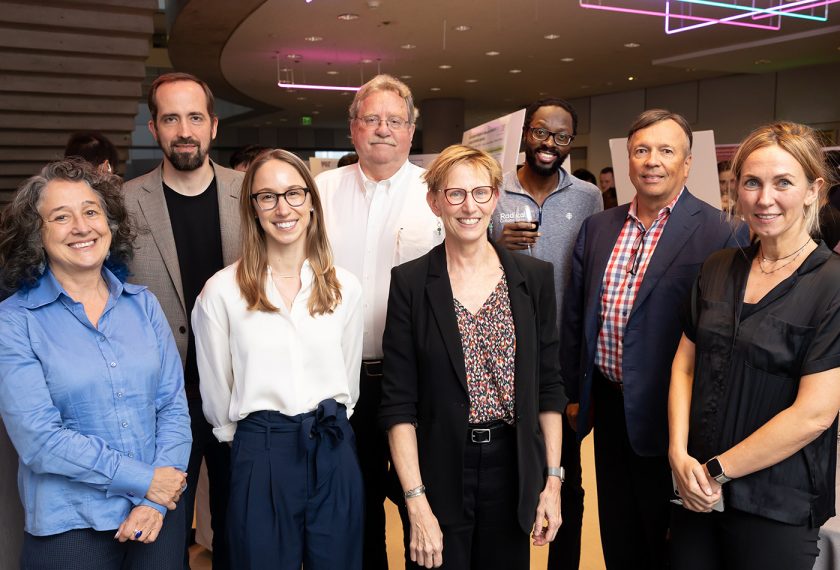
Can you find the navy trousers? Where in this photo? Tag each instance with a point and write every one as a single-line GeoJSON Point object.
{"type": "Point", "coordinates": [88, 549]}
{"type": "Point", "coordinates": [296, 493]}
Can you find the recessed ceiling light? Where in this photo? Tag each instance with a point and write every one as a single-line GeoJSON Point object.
{"type": "Point", "coordinates": [632, 45]}
{"type": "Point", "coordinates": [444, 66]}
{"type": "Point", "coordinates": [301, 98]}
{"type": "Point", "coordinates": [367, 60]}
{"type": "Point", "coordinates": [551, 36]}
{"type": "Point", "coordinates": [492, 53]}
{"type": "Point", "coordinates": [470, 80]}
{"type": "Point", "coordinates": [285, 69]}
{"type": "Point", "coordinates": [315, 113]}
{"type": "Point", "coordinates": [461, 28]}
{"type": "Point", "coordinates": [348, 16]}
{"type": "Point", "coordinates": [405, 77]}
{"type": "Point", "coordinates": [630, 78]}
{"type": "Point", "coordinates": [408, 46]}
{"type": "Point", "coordinates": [543, 93]}
{"type": "Point", "coordinates": [313, 38]}
{"type": "Point", "coordinates": [515, 71]}
{"type": "Point", "coordinates": [567, 59]}
{"type": "Point", "coordinates": [434, 89]}
{"type": "Point", "coordinates": [293, 56]}
{"type": "Point", "coordinates": [344, 93]}
{"type": "Point", "coordinates": [332, 72]}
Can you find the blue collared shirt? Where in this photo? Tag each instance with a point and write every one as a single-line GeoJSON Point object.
{"type": "Point", "coordinates": [91, 410]}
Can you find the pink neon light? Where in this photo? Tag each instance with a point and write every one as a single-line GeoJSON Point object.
{"type": "Point", "coordinates": [729, 20]}
{"type": "Point", "coordinates": [791, 7]}
{"type": "Point", "coordinates": [316, 87]}
{"type": "Point", "coordinates": [709, 21]}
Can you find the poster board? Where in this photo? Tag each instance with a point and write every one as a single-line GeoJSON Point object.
{"type": "Point", "coordinates": [319, 165]}
{"type": "Point", "coordinates": [499, 138]}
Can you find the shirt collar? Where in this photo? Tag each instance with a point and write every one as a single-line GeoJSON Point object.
{"type": "Point", "coordinates": [47, 290]}
{"type": "Point", "coordinates": [563, 180]}
{"type": "Point", "coordinates": [667, 209]}
{"type": "Point", "coordinates": [369, 185]}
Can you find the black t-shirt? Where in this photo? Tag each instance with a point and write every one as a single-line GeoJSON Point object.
{"type": "Point", "coordinates": [748, 365]}
{"type": "Point", "coordinates": [198, 241]}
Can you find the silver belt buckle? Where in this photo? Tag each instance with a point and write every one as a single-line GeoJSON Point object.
{"type": "Point", "coordinates": [480, 435]}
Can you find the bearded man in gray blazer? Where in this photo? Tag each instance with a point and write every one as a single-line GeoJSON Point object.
{"type": "Point", "coordinates": [188, 212]}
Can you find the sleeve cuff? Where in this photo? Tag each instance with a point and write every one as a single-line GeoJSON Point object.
{"type": "Point", "coordinates": [225, 433]}
{"type": "Point", "coordinates": [159, 508]}
{"type": "Point", "coordinates": [131, 479]}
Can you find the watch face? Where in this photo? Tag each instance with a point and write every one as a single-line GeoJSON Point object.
{"type": "Point", "coordinates": [714, 467]}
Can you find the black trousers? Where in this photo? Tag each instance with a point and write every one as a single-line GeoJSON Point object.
{"type": "Point", "coordinates": [735, 540]}
{"type": "Point", "coordinates": [217, 457]}
{"type": "Point", "coordinates": [488, 535]}
{"type": "Point", "coordinates": [88, 549]}
{"type": "Point", "coordinates": [564, 551]}
{"type": "Point", "coordinates": [633, 491]}
{"type": "Point", "coordinates": [373, 459]}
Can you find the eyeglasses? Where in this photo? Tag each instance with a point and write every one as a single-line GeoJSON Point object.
{"type": "Point", "coordinates": [393, 123]}
{"type": "Point", "coordinates": [636, 253]}
{"type": "Point", "coordinates": [560, 139]}
{"type": "Point", "coordinates": [456, 196]}
{"type": "Point", "coordinates": [268, 200]}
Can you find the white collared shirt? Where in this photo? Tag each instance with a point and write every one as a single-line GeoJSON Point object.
{"type": "Point", "coordinates": [287, 361]}
{"type": "Point", "coordinates": [374, 226]}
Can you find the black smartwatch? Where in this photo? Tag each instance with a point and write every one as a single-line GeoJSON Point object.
{"type": "Point", "coordinates": [715, 469]}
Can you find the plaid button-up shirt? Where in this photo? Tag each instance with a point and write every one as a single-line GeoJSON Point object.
{"type": "Point", "coordinates": [625, 272]}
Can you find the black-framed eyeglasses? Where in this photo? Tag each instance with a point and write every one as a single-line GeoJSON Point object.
{"type": "Point", "coordinates": [636, 253]}
{"type": "Point", "coordinates": [540, 134]}
{"type": "Point", "coordinates": [456, 196]}
{"type": "Point", "coordinates": [266, 200]}
{"type": "Point", "coordinates": [393, 123]}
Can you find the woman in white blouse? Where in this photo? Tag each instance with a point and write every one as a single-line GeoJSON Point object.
{"type": "Point", "coordinates": [279, 344]}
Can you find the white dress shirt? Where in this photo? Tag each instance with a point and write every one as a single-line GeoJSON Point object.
{"type": "Point", "coordinates": [374, 226]}
{"type": "Point", "coordinates": [287, 361]}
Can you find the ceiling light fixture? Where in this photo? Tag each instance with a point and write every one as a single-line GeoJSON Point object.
{"type": "Point", "coordinates": [515, 71]}
{"type": "Point", "coordinates": [461, 28]}
{"type": "Point", "coordinates": [366, 60]}
{"type": "Point", "coordinates": [332, 72]}
{"type": "Point", "coordinates": [348, 16]}
{"type": "Point", "coordinates": [492, 53]}
{"type": "Point", "coordinates": [632, 45]}
{"type": "Point", "coordinates": [630, 78]}
{"type": "Point", "coordinates": [434, 88]}
{"type": "Point", "coordinates": [567, 59]}
{"type": "Point", "coordinates": [294, 56]}
{"type": "Point", "coordinates": [287, 81]}
{"type": "Point", "coordinates": [470, 80]}
{"type": "Point", "coordinates": [551, 36]}
{"type": "Point", "coordinates": [313, 38]}
{"type": "Point", "coordinates": [405, 77]}
{"type": "Point", "coordinates": [408, 46]}
{"type": "Point", "coordinates": [444, 66]}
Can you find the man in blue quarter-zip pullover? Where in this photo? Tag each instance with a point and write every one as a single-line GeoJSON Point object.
{"type": "Point", "coordinates": [558, 202]}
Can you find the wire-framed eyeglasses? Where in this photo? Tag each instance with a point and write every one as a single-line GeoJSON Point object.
{"type": "Point", "coordinates": [266, 200]}
{"type": "Point", "coordinates": [456, 196]}
{"type": "Point", "coordinates": [560, 139]}
{"type": "Point", "coordinates": [393, 123]}
{"type": "Point", "coordinates": [635, 259]}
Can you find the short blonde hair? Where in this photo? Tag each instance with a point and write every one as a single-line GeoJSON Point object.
{"type": "Point", "coordinates": [452, 156]}
{"type": "Point", "coordinates": [802, 144]}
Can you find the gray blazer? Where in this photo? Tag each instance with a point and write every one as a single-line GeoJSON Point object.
{"type": "Point", "coordinates": [155, 262]}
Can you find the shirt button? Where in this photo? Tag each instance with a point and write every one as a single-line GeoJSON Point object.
{"type": "Point", "coordinates": [623, 313]}
{"type": "Point", "coordinates": [119, 394]}
{"type": "Point", "coordinates": [102, 339]}
{"type": "Point", "coordinates": [124, 424]}
{"type": "Point", "coordinates": [113, 365]}
{"type": "Point", "coordinates": [130, 454]}
{"type": "Point", "coordinates": [182, 329]}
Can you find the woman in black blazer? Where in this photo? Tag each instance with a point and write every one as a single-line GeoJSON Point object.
{"type": "Point", "coordinates": [471, 394]}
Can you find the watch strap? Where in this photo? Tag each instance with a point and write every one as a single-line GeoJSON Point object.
{"type": "Point", "coordinates": [558, 472]}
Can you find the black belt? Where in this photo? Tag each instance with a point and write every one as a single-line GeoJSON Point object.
{"type": "Point", "coordinates": [488, 433]}
{"type": "Point", "coordinates": [372, 367]}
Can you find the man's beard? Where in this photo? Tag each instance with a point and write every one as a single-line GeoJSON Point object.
{"type": "Point", "coordinates": [542, 169]}
{"type": "Point", "coordinates": [186, 162]}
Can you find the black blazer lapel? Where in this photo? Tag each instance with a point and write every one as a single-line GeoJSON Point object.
{"type": "Point", "coordinates": [439, 293]}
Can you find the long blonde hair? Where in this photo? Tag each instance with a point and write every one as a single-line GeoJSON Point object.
{"type": "Point", "coordinates": [251, 273]}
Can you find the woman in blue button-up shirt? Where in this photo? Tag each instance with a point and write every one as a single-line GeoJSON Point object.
{"type": "Point", "coordinates": [91, 385]}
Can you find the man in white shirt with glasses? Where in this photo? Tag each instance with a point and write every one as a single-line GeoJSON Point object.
{"type": "Point", "coordinates": [377, 217]}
